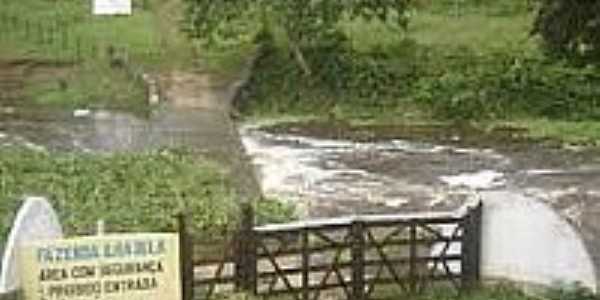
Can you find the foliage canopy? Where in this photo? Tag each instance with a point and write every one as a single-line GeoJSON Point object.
{"type": "Point", "coordinates": [303, 22]}
{"type": "Point", "coordinates": [570, 28]}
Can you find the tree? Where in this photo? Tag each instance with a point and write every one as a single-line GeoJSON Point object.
{"type": "Point", "coordinates": [304, 22]}
{"type": "Point", "coordinates": [570, 28]}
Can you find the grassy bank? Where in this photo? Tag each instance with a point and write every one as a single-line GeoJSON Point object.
{"type": "Point", "coordinates": [493, 293]}
{"type": "Point", "coordinates": [501, 291]}
{"type": "Point", "coordinates": [476, 63]}
{"type": "Point", "coordinates": [108, 55]}
{"type": "Point", "coordinates": [131, 192]}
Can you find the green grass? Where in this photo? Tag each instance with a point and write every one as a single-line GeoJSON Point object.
{"type": "Point", "coordinates": [483, 34]}
{"type": "Point", "coordinates": [130, 192]}
{"type": "Point", "coordinates": [476, 63]}
{"type": "Point", "coordinates": [501, 292]}
{"type": "Point", "coordinates": [497, 291]}
{"type": "Point", "coordinates": [476, 31]}
{"type": "Point", "coordinates": [493, 293]}
{"type": "Point", "coordinates": [88, 85]}
{"type": "Point", "coordinates": [580, 132]}
{"type": "Point", "coordinates": [58, 29]}
{"type": "Point", "coordinates": [149, 41]}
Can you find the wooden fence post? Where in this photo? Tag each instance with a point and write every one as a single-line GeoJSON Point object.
{"type": "Point", "coordinates": [477, 224]}
{"type": "Point", "coordinates": [358, 260]}
{"type": "Point", "coordinates": [412, 267]}
{"type": "Point", "coordinates": [305, 264]}
{"type": "Point", "coordinates": [471, 247]}
{"type": "Point", "coordinates": [186, 258]}
{"type": "Point", "coordinates": [465, 261]}
{"type": "Point", "coordinates": [245, 254]}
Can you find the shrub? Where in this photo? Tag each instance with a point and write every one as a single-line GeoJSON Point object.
{"type": "Point", "coordinates": [570, 28]}
{"type": "Point", "coordinates": [446, 84]}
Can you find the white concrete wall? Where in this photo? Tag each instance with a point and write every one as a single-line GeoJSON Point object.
{"type": "Point", "coordinates": [35, 221]}
{"type": "Point", "coordinates": [526, 240]}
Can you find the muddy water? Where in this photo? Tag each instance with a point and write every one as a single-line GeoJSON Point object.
{"type": "Point", "coordinates": [208, 132]}
{"type": "Point", "coordinates": [327, 177]}
{"type": "Point", "coordinates": [332, 176]}
{"type": "Point", "coordinates": [339, 170]}
{"type": "Point", "coordinates": [110, 131]}
{"type": "Point", "coordinates": [331, 171]}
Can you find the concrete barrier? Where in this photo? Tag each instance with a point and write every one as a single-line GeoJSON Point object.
{"type": "Point", "coordinates": [525, 240]}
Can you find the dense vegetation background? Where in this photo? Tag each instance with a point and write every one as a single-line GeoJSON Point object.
{"type": "Point", "coordinates": [472, 60]}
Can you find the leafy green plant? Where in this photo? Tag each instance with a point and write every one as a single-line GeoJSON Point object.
{"type": "Point", "coordinates": [304, 23]}
{"type": "Point", "coordinates": [448, 84]}
{"type": "Point", "coordinates": [570, 28]}
{"type": "Point", "coordinates": [270, 211]}
{"type": "Point", "coordinates": [130, 192]}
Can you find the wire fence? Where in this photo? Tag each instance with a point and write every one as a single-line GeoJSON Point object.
{"type": "Point", "coordinates": [65, 41]}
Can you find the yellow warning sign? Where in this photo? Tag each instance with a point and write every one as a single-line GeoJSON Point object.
{"type": "Point", "coordinates": [110, 267]}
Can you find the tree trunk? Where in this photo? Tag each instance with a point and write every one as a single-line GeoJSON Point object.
{"type": "Point", "coordinates": [301, 60]}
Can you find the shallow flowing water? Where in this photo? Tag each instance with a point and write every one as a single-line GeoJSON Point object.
{"type": "Point", "coordinates": [538, 196]}
{"type": "Point", "coordinates": [332, 177]}
{"type": "Point", "coordinates": [110, 131]}
{"type": "Point", "coordinates": [327, 177]}
{"type": "Point", "coordinates": [336, 177]}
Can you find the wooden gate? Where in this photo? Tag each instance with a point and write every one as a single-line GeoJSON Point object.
{"type": "Point", "coordinates": [355, 258]}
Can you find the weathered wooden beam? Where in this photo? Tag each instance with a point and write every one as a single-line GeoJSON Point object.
{"type": "Point", "coordinates": [185, 256]}
{"type": "Point", "coordinates": [358, 261]}
{"type": "Point", "coordinates": [370, 220]}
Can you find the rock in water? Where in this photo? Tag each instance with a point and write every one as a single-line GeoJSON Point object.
{"type": "Point", "coordinates": [35, 221]}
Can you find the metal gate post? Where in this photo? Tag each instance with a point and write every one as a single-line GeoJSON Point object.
{"type": "Point", "coordinates": [245, 254]}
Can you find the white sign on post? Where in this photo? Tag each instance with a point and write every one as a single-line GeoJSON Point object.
{"type": "Point", "coordinates": [112, 7]}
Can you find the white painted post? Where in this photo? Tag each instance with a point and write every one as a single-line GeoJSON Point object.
{"type": "Point", "coordinates": [100, 228]}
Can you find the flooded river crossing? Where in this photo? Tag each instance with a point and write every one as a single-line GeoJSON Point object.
{"type": "Point", "coordinates": [340, 171]}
